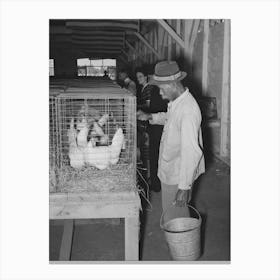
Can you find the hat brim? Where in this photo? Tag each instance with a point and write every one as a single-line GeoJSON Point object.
{"type": "Point", "coordinates": [152, 81]}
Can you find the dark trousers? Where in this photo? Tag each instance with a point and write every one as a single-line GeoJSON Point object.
{"type": "Point", "coordinates": [155, 132]}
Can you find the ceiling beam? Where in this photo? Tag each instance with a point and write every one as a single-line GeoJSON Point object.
{"type": "Point", "coordinates": [96, 43]}
{"type": "Point", "coordinates": [63, 30]}
{"type": "Point", "coordinates": [97, 37]}
{"type": "Point", "coordinates": [105, 24]}
{"type": "Point", "coordinates": [140, 36]}
{"type": "Point", "coordinates": [171, 32]}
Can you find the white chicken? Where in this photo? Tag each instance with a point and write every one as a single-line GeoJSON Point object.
{"type": "Point", "coordinates": [102, 156]}
{"type": "Point", "coordinates": [116, 146]}
{"type": "Point", "coordinates": [76, 154]}
{"type": "Point", "coordinates": [83, 133]}
{"type": "Point", "coordinates": [98, 157]}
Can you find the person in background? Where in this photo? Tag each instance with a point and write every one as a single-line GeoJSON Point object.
{"type": "Point", "coordinates": [150, 101]}
{"type": "Point", "coordinates": [128, 83]}
{"type": "Point", "coordinates": [105, 74]}
{"type": "Point", "coordinates": [181, 160]}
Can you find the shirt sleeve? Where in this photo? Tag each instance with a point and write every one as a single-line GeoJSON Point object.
{"type": "Point", "coordinates": [190, 152]}
{"type": "Point", "coordinates": [159, 118]}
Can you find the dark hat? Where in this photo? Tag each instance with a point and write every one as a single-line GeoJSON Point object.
{"type": "Point", "coordinates": [167, 72]}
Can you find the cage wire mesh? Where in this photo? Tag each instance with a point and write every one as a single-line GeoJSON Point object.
{"type": "Point", "coordinates": [92, 141]}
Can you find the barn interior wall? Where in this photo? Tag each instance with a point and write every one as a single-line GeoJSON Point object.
{"type": "Point", "coordinates": [214, 79]}
{"type": "Point", "coordinates": [215, 64]}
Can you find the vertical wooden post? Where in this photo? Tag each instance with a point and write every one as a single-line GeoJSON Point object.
{"type": "Point", "coordinates": [160, 41]}
{"type": "Point", "coordinates": [169, 44]}
{"type": "Point", "coordinates": [187, 50]}
{"type": "Point", "coordinates": [187, 34]}
{"type": "Point", "coordinates": [151, 41]}
{"type": "Point", "coordinates": [156, 42]}
{"type": "Point", "coordinates": [178, 30]}
{"type": "Point", "coordinates": [225, 122]}
{"type": "Point", "coordinates": [205, 56]}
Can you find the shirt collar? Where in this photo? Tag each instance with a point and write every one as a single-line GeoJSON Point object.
{"type": "Point", "coordinates": [144, 86]}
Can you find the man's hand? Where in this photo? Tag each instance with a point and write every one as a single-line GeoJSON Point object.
{"type": "Point", "coordinates": [143, 116]}
{"type": "Point", "coordinates": [182, 197]}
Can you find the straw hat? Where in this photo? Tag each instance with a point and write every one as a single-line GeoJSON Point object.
{"type": "Point", "coordinates": [167, 72]}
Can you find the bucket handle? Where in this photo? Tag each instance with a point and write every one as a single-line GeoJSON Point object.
{"type": "Point", "coordinates": [187, 205]}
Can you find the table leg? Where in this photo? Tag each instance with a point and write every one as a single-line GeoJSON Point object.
{"type": "Point", "coordinates": [132, 238]}
{"type": "Point", "coordinates": [66, 243]}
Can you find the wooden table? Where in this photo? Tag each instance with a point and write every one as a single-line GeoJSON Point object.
{"type": "Point", "coordinates": [71, 206]}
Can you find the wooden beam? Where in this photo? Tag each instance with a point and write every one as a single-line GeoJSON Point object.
{"type": "Point", "coordinates": [130, 46]}
{"type": "Point", "coordinates": [225, 115]}
{"type": "Point", "coordinates": [205, 56]}
{"type": "Point", "coordinates": [169, 44]}
{"type": "Point", "coordinates": [155, 42]}
{"type": "Point", "coordinates": [178, 31]}
{"type": "Point", "coordinates": [171, 32]}
{"type": "Point", "coordinates": [187, 33]}
{"type": "Point", "coordinates": [99, 32]}
{"type": "Point", "coordinates": [194, 33]}
{"type": "Point", "coordinates": [140, 36]}
{"type": "Point", "coordinates": [90, 38]}
{"type": "Point", "coordinates": [99, 43]}
{"type": "Point", "coordinates": [97, 24]}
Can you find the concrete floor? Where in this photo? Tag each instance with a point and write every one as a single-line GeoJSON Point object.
{"type": "Point", "coordinates": [103, 240]}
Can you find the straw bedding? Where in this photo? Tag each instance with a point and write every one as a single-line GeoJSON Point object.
{"type": "Point", "coordinates": [117, 178]}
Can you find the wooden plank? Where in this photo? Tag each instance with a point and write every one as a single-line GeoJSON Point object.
{"type": "Point", "coordinates": [171, 32]}
{"type": "Point", "coordinates": [169, 44]}
{"type": "Point", "coordinates": [90, 206]}
{"type": "Point", "coordinates": [187, 34]}
{"type": "Point", "coordinates": [178, 30]}
{"type": "Point", "coordinates": [194, 33]}
{"type": "Point", "coordinates": [66, 243]}
{"type": "Point", "coordinates": [147, 43]}
{"type": "Point", "coordinates": [224, 152]}
{"type": "Point", "coordinates": [205, 57]}
{"type": "Point", "coordinates": [96, 24]}
{"type": "Point", "coordinates": [132, 227]}
{"type": "Point", "coordinates": [130, 46]}
{"type": "Point", "coordinates": [93, 211]}
{"type": "Point", "coordinates": [156, 42]}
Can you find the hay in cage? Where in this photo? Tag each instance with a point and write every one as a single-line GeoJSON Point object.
{"type": "Point", "coordinates": [117, 178]}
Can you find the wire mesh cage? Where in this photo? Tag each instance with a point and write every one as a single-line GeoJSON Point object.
{"type": "Point", "coordinates": [93, 140]}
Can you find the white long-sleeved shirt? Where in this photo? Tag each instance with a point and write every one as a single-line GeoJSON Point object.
{"type": "Point", "coordinates": [181, 159]}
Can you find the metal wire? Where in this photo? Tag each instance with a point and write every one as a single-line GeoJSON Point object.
{"type": "Point", "coordinates": [79, 106]}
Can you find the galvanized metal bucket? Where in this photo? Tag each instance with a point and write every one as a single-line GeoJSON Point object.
{"type": "Point", "coordinates": [182, 236]}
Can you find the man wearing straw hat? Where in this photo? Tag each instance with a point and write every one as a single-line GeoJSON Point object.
{"type": "Point", "coordinates": [181, 159]}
